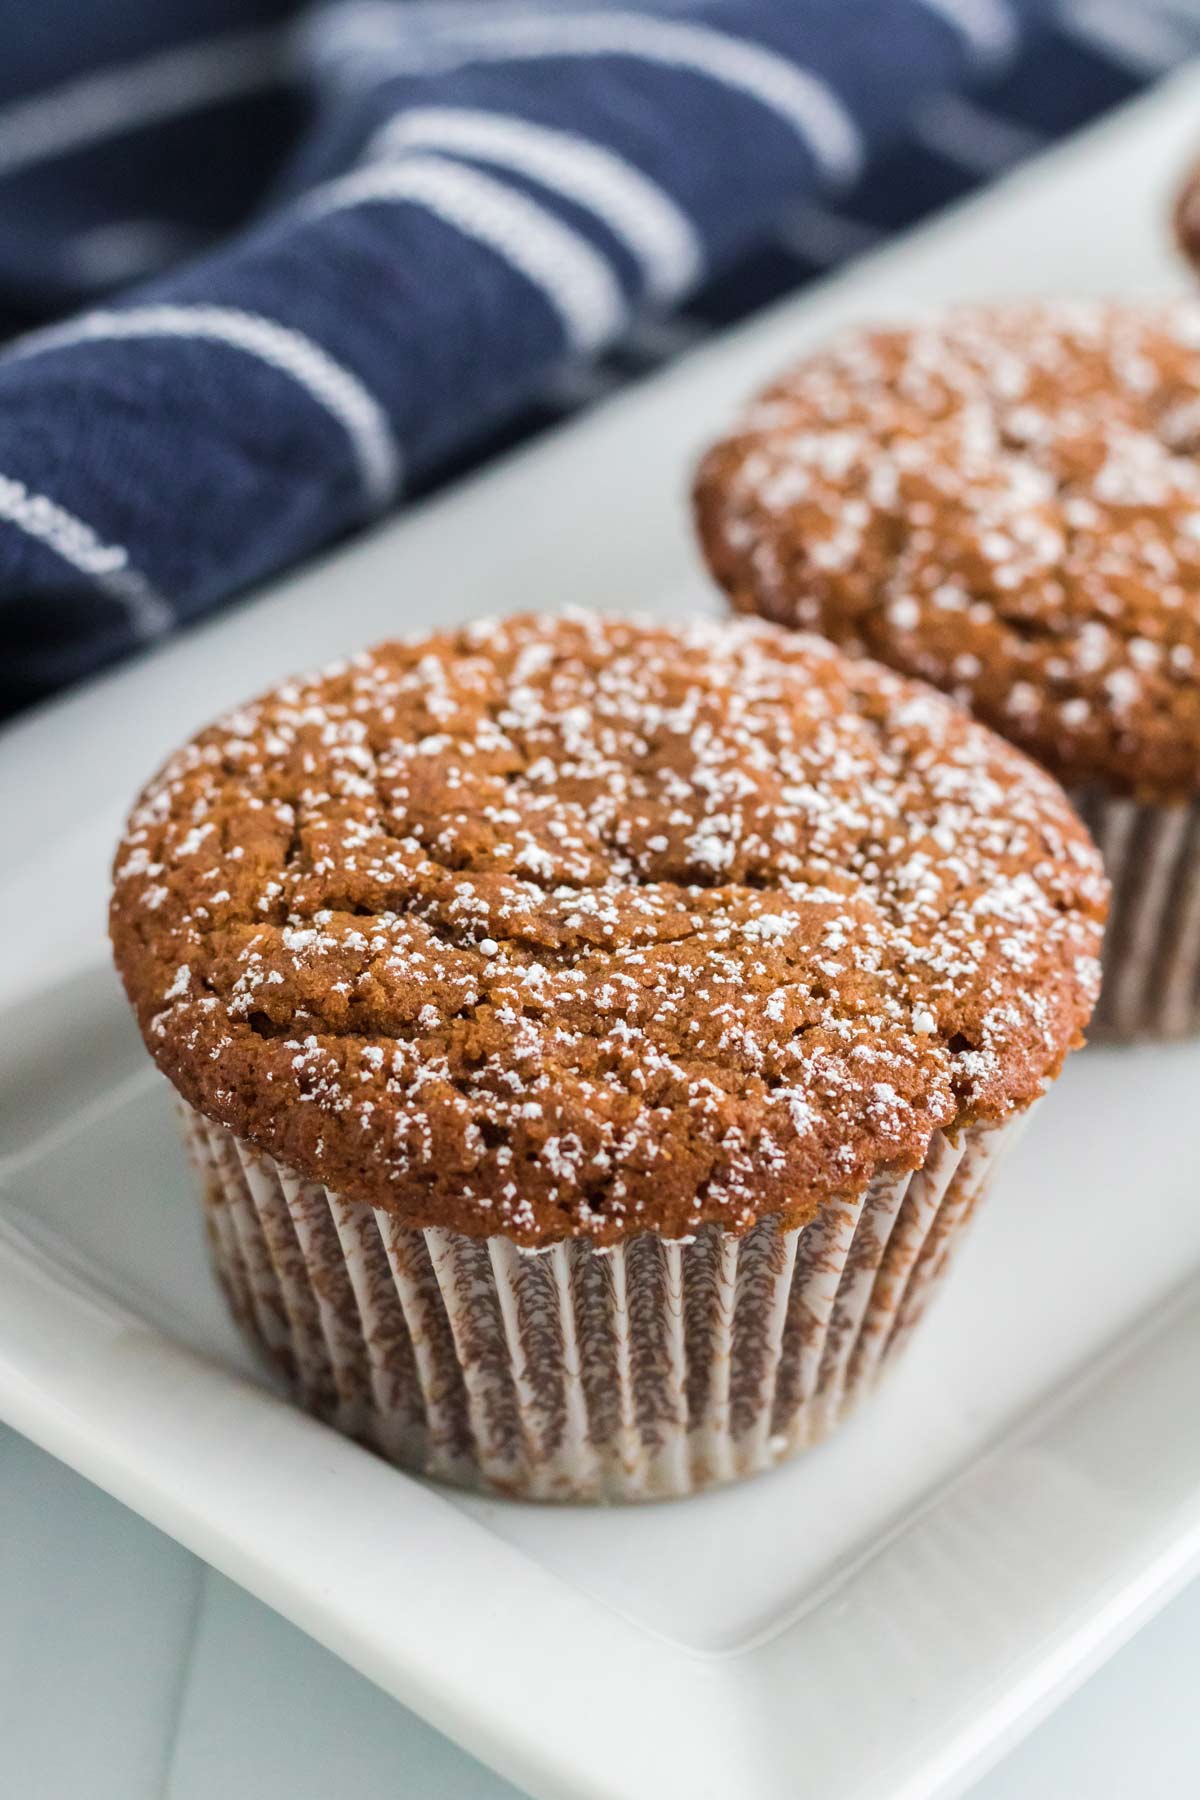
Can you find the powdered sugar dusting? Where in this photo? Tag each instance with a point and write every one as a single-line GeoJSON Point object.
{"type": "Point", "coordinates": [575, 925]}
{"type": "Point", "coordinates": [1004, 502]}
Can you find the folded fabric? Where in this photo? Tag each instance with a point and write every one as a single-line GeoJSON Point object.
{"type": "Point", "coordinates": [349, 247]}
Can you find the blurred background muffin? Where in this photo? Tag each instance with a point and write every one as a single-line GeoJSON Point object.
{"type": "Point", "coordinates": [1006, 502]}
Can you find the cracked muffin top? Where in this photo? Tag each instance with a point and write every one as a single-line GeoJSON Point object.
{"type": "Point", "coordinates": [1186, 216]}
{"type": "Point", "coordinates": [1005, 502]}
{"type": "Point", "coordinates": [561, 926]}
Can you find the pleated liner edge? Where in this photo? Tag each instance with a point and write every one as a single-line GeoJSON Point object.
{"type": "Point", "coordinates": [651, 1370]}
{"type": "Point", "coordinates": [1152, 945]}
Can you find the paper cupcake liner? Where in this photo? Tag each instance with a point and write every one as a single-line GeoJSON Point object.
{"type": "Point", "coordinates": [1151, 982]}
{"type": "Point", "coordinates": [649, 1370]}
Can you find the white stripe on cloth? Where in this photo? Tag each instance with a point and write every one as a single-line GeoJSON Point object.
{"type": "Point", "coordinates": [163, 85]}
{"type": "Point", "coordinates": [378, 42]}
{"type": "Point", "coordinates": [108, 565]}
{"type": "Point", "coordinates": [335, 388]}
{"type": "Point", "coordinates": [824, 237]}
{"type": "Point", "coordinates": [656, 340]}
{"type": "Point", "coordinates": [988, 25]}
{"type": "Point", "coordinates": [125, 249]}
{"type": "Point", "coordinates": [571, 276]}
{"type": "Point", "coordinates": [1144, 39]}
{"type": "Point", "coordinates": [579, 384]}
{"type": "Point", "coordinates": [638, 212]}
{"type": "Point", "coordinates": [966, 134]}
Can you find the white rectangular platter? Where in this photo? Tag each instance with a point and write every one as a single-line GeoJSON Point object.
{"type": "Point", "coordinates": [879, 1619]}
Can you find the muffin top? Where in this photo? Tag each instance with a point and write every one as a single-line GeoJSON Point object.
{"type": "Point", "coordinates": [578, 926]}
{"type": "Point", "coordinates": [1003, 501]}
{"type": "Point", "coordinates": [1187, 215]}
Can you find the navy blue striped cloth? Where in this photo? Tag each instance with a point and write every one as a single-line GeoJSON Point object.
{"type": "Point", "coordinates": [266, 270]}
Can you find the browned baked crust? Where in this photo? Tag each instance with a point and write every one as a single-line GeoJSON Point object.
{"type": "Point", "coordinates": [1003, 501]}
{"type": "Point", "coordinates": [566, 926]}
{"type": "Point", "coordinates": [1186, 218]}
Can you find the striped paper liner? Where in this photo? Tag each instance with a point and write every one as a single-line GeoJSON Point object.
{"type": "Point", "coordinates": [1152, 945]}
{"type": "Point", "coordinates": [645, 1371]}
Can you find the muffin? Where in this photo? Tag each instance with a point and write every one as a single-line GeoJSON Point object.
{"type": "Point", "coordinates": [1186, 218]}
{"type": "Point", "coordinates": [1006, 503]}
{"type": "Point", "coordinates": [592, 1036]}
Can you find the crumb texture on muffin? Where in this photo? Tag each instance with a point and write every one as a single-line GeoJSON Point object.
{"type": "Point", "coordinates": [1003, 501]}
{"type": "Point", "coordinates": [580, 926]}
{"type": "Point", "coordinates": [1187, 215]}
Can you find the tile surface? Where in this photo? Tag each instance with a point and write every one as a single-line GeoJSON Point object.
{"type": "Point", "coordinates": [129, 1671]}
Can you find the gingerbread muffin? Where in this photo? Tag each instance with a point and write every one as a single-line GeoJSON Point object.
{"type": "Point", "coordinates": [592, 1036]}
{"type": "Point", "coordinates": [1187, 216]}
{"type": "Point", "coordinates": [1006, 502]}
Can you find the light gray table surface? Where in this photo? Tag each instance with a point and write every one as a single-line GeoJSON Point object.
{"type": "Point", "coordinates": [130, 1671]}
